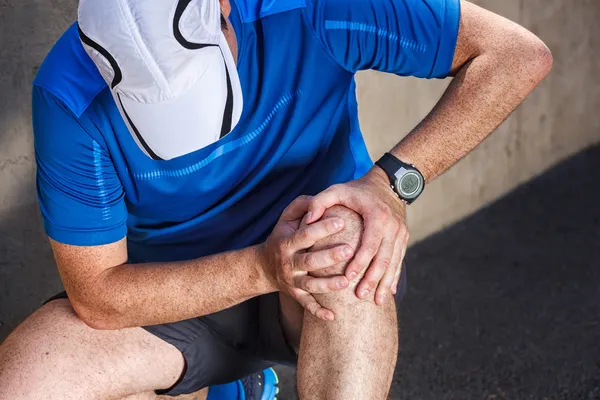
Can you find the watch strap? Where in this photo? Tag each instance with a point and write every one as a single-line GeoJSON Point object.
{"type": "Point", "coordinates": [390, 165]}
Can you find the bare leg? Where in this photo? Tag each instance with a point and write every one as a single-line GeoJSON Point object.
{"type": "Point", "coordinates": [54, 355]}
{"type": "Point", "coordinates": [354, 356]}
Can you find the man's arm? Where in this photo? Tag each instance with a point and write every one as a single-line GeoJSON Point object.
{"type": "Point", "coordinates": [497, 63]}
{"type": "Point", "coordinates": [108, 293]}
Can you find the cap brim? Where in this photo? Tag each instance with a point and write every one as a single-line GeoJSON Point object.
{"type": "Point", "coordinates": [195, 119]}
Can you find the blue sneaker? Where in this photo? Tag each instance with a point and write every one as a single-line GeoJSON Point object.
{"type": "Point", "coordinates": [261, 386]}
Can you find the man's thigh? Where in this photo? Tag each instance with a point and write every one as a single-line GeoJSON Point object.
{"type": "Point", "coordinates": [54, 355]}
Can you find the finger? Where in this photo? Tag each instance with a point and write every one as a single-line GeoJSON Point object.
{"type": "Point", "coordinates": [296, 209]}
{"type": "Point", "coordinates": [384, 290]}
{"type": "Point", "coordinates": [306, 237]}
{"type": "Point", "coordinates": [314, 261]}
{"type": "Point", "coordinates": [322, 201]}
{"type": "Point", "coordinates": [397, 279]}
{"type": "Point", "coordinates": [380, 265]}
{"type": "Point", "coordinates": [387, 282]}
{"type": "Point", "coordinates": [399, 272]}
{"type": "Point", "coordinates": [308, 302]}
{"type": "Point", "coordinates": [369, 247]}
{"type": "Point", "coordinates": [321, 285]}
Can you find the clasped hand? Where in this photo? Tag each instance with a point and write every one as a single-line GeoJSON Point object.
{"type": "Point", "coordinates": [377, 262]}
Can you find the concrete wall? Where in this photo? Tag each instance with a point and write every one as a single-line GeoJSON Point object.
{"type": "Point", "coordinates": [561, 117]}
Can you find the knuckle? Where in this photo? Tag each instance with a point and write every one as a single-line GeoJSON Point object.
{"type": "Point", "coordinates": [385, 263]}
{"type": "Point", "coordinates": [395, 226]}
{"type": "Point", "coordinates": [337, 255]}
{"type": "Point", "coordinates": [282, 247]}
{"type": "Point", "coordinates": [335, 188]}
{"type": "Point", "coordinates": [308, 285]}
{"type": "Point", "coordinates": [310, 262]}
{"type": "Point", "coordinates": [286, 266]}
{"type": "Point", "coordinates": [303, 234]}
{"type": "Point", "coordinates": [381, 214]}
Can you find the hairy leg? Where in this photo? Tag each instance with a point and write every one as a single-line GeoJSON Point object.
{"type": "Point", "coordinates": [354, 356]}
{"type": "Point", "coordinates": [54, 355]}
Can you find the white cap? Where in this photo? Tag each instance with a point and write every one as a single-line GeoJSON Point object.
{"type": "Point", "coordinates": [169, 67]}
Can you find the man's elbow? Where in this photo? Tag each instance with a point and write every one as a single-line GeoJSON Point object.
{"type": "Point", "coordinates": [541, 59]}
{"type": "Point", "coordinates": [95, 316]}
{"type": "Point", "coordinates": [531, 55]}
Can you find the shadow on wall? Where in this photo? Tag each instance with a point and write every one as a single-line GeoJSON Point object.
{"type": "Point", "coordinates": [27, 274]}
{"type": "Point", "coordinates": [506, 303]}
{"type": "Point", "coordinates": [27, 31]}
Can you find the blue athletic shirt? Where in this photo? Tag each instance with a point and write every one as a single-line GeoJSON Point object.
{"type": "Point", "coordinates": [298, 134]}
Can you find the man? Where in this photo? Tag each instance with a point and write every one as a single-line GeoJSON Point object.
{"type": "Point", "coordinates": [201, 174]}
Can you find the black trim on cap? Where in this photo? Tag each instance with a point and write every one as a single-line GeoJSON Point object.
{"type": "Point", "coordinates": [181, 6]}
{"type": "Point", "coordinates": [228, 112]}
{"type": "Point", "coordinates": [137, 133]}
{"type": "Point", "coordinates": [113, 63]}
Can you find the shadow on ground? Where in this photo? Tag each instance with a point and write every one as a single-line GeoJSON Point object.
{"type": "Point", "coordinates": [506, 304]}
{"type": "Point", "coordinates": [503, 305]}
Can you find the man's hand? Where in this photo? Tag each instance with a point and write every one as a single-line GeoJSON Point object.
{"type": "Point", "coordinates": [289, 262]}
{"type": "Point", "coordinates": [385, 236]}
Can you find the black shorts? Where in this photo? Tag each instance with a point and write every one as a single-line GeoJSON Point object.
{"type": "Point", "coordinates": [231, 344]}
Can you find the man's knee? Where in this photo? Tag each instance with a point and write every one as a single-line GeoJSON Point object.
{"type": "Point", "coordinates": [346, 302]}
{"type": "Point", "coordinates": [350, 235]}
{"type": "Point", "coordinates": [24, 360]}
{"type": "Point", "coordinates": [54, 352]}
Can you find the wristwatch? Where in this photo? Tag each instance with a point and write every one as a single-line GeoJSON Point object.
{"type": "Point", "coordinates": [406, 180]}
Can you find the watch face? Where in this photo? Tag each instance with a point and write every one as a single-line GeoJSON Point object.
{"type": "Point", "coordinates": [410, 184]}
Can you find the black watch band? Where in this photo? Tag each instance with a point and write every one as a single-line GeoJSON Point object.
{"type": "Point", "coordinates": [405, 179]}
{"type": "Point", "coordinates": [390, 165]}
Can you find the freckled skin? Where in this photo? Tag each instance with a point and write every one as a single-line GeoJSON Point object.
{"type": "Point", "coordinates": [496, 65]}
{"type": "Point", "coordinates": [61, 353]}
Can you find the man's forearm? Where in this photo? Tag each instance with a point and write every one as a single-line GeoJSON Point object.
{"type": "Point", "coordinates": [148, 294]}
{"type": "Point", "coordinates": [509, 65]}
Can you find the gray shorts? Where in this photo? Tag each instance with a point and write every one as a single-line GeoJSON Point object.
{"type": "Point", "coordinates": [231, 344]}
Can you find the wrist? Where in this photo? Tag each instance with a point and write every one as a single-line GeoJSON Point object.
{"type": "Point", "coordinates": [378, 176]}
{"type": "Point", "coordinates": [266, 268]}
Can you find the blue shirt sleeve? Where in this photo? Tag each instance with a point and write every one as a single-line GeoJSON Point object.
{"type": "Point", "coordinates": [404, 37]}
{"type": "Point", "coordinates": [80, 195]}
